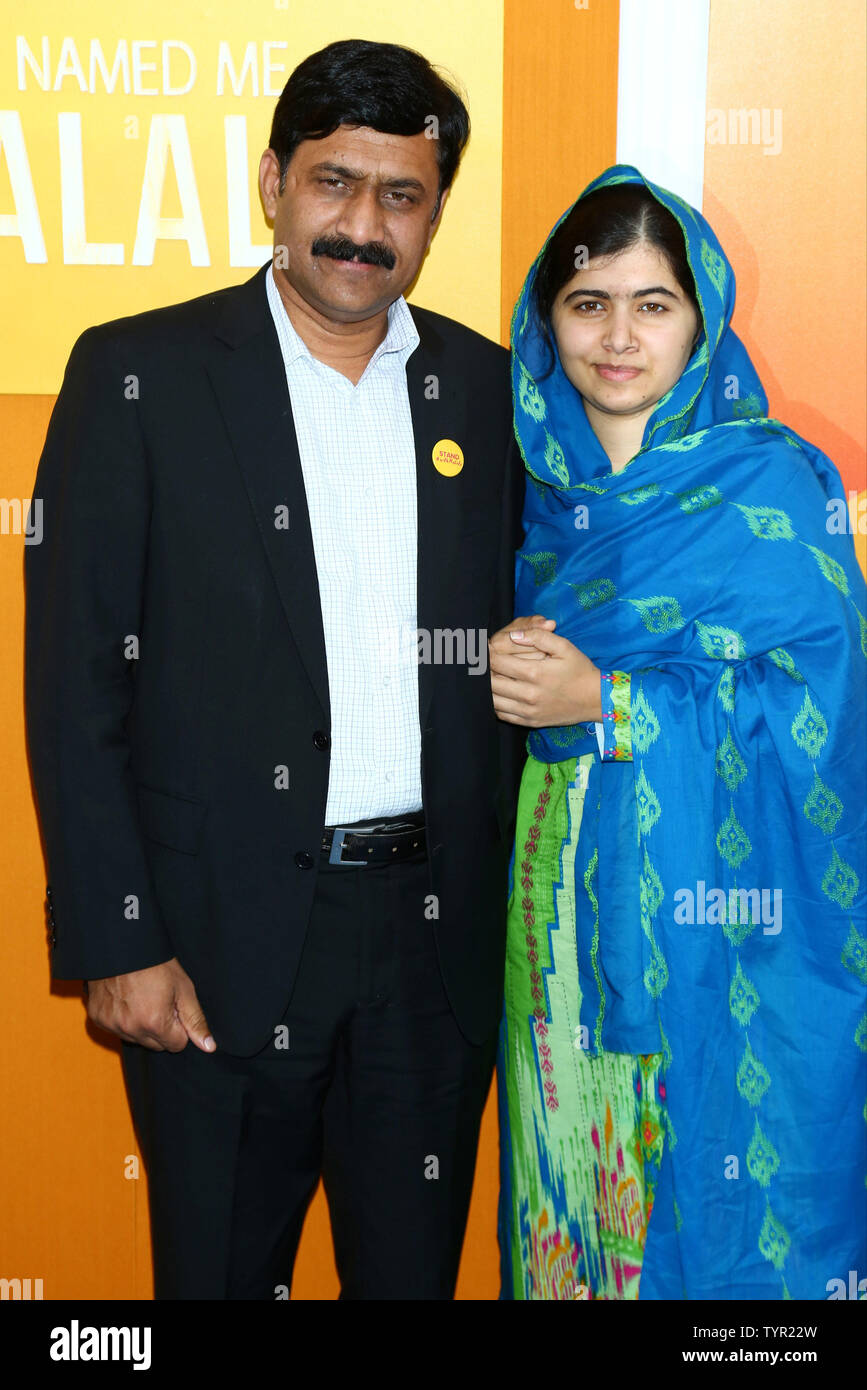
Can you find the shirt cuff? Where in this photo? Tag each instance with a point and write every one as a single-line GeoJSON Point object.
{"type": "Point", "coordinates": [616, 716]}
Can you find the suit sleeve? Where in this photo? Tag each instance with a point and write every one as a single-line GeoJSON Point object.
{"type": "Point", "coordinates": [84, 592]}
{"type": "Point", "coordinates": [512, 736]}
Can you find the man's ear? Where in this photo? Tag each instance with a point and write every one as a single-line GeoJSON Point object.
{"type": "Point", "coordinates": [436, 220]}
{"type": "Point", "coordinates": [269, 182]}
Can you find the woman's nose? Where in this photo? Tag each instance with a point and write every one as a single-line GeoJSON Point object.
{"type": "Point", "coordinates": [619, 329]}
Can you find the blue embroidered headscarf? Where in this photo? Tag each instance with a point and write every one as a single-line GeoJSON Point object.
{"type": "Point", "coordinates": [711, 570]}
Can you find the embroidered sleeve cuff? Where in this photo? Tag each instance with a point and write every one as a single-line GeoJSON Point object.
{"type": "Point", "coordinates": [616, 717]}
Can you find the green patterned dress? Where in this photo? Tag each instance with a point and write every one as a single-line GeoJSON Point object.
{"type": "Point", "coordinates": [582, 1133]}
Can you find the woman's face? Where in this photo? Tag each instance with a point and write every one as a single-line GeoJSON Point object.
{"type": "Point", "coordinates": [625, 331]}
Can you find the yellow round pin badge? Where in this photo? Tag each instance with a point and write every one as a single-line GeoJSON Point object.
{"type": "Point", "coordinates": [448, 457]}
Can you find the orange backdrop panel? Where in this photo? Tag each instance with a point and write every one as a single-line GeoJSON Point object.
{"type": "Point", "coordinates": [559, 121]}
{"type": "Point", "coordinates": [793, 223]}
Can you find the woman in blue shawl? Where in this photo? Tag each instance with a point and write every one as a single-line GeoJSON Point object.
{"type": "Point", "coordinates": [682, 1058]}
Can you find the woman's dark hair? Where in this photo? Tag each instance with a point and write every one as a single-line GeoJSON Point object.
{"type": "Point", "coordinates": [608, 220]}
{"type": "Point", "coordinates": [380, 85]}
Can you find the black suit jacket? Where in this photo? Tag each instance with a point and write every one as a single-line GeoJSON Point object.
{"type": "Point", "coordinates": [175, 659]}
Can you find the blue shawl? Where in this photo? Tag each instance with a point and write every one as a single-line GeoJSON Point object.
{"type": "Point", "coordinates": [710, 570]}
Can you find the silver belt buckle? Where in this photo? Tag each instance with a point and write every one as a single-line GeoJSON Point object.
{"type": "Point", "coordinates": [340, 834]}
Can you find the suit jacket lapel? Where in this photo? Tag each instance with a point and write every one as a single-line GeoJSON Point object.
{"type": "Point", "coordinates": [438, 410]}
{"type": "Point", "coordinates": [253, 398]}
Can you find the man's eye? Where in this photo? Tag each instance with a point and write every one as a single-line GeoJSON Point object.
{"type": "Point", "coordinates": [332, 182]}
{"type": "Point", "coordinates": [404, 197]}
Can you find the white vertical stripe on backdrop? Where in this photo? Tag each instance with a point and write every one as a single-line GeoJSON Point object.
{"type": "Point", "coordinates": [662, 92]}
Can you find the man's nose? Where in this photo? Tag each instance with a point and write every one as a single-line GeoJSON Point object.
{"type": "Point", "coordinates": [361, 218]}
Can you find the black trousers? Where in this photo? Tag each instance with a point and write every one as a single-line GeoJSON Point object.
{"type": "Point", "coordinates": [368, 1082]}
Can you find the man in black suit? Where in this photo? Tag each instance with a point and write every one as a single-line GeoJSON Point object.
{"type": "Point", "coordinates": [277, 848]}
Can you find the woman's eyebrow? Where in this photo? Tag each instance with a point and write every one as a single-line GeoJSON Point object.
{"type": "Point", "coordinates": [637, 294]}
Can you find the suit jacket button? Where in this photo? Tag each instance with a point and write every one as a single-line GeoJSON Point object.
{"type": "Point", "coordinates": [321, 740]}
{"type": "Point", "coordinates": [48, 891]}
{"type": "Point", "coordinates": [304, 860]}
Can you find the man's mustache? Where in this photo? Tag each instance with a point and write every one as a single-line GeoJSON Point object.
{"type": "Point", "coordinates": [340, 248]}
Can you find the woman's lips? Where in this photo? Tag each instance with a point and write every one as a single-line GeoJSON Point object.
{"type": "Point", "coordinates": [616, 373]}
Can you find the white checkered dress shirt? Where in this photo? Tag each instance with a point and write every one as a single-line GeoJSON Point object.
{"type": "Point", "coordinates": [358, 460]}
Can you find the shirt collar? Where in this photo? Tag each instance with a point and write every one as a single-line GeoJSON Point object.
{"type": "Point", "coordinates": [401, 335]}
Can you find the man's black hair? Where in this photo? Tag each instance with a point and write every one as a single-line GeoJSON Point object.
{"type": "Point", "coordinates": [380, 85]}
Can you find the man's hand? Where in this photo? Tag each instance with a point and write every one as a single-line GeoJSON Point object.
{"type": "Point", "coordinates": [157, 1008]}
{"type": "Point", "coordinates": [561, 687]}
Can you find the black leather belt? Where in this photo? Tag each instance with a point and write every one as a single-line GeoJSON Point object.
{"type": "Point", "coordinates": [375, 842]}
